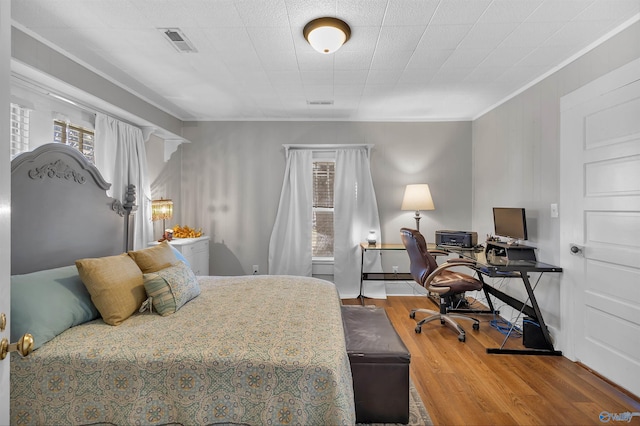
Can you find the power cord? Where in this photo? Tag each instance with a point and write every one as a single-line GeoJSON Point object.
{"type": "Point", "coordinates": [506, 327]}
{"type": "Point", "coordinates": [499, 323]}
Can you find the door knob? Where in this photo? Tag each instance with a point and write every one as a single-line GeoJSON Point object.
{"type": "Point", "coordinates": [24, 346]}
{"type": "Point", "coordinates": [576, 249]}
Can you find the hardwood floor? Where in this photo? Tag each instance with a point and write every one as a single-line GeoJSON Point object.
{"type": "Point", "coordinates": [460, 384]}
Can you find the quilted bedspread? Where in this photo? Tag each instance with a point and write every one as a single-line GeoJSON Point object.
{"type": "Point", "coordinates": [252, 350]}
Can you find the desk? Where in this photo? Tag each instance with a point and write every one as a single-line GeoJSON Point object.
{"type": "Point", "coordinates": [503, 268]}
{"type": "Point", "coordinates": [379, 276]}
{"type": "Point", "coordinates": [405, 276]}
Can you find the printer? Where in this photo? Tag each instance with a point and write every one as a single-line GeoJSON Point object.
{"type": "Point", "coordinates": [462, 239]}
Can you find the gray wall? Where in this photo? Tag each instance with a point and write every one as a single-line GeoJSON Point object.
{"type": "Point", "coordinates": [231, 176]}
{"type": "Point", "coordinates": [516, 150]}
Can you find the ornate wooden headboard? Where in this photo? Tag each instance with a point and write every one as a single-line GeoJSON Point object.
{"type": "Point", "coordinates": [60, 211]}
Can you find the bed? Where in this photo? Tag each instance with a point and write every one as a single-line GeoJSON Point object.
{"type": "Point", "coordinates": [234, 350]}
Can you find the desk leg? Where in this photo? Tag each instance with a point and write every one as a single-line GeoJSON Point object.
{"type": "Point", "coordinates": [486, 294]}
{"type": "Point", "coordinates": [543, 326]}
{"type": "Point", "coordinates": [361, 296]}
{"type": "Point", "coordinates": [536, 309]}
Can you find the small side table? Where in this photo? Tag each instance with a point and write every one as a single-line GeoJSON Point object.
{"type": "Point", "coordinates": [379, 276]}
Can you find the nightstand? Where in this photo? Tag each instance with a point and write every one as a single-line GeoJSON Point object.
{"type": "Point", "coordinates": [195, 250]}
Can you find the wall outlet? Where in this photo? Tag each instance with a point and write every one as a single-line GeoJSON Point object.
{"type": "Point", "coordinates": [255, 269]}
{"type": "Point", "coordinates": [394, 269]}
{"type": "Point", "coordinates": [554, 210]}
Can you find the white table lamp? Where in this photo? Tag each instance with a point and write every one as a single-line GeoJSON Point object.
{"type": "Point", "coordinates": [417, 197]}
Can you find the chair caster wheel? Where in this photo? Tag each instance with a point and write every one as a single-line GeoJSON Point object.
{"type": "Point", "coordinates": [442, 321]}
{"type": "Point", "coordinates": [461, 337]}
{"type": "Point", "coordinates": [476, 326]}
{"type": "Point", "coordinates": [412, 315]}
{"type": "Point", "coordinates": [418, 329]}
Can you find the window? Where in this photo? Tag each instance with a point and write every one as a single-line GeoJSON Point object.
{"type": "Point", "coordinates": [75, 136]}
{"type": "Point", "coordinates": [322, 233]}
{"type": "Point", "coordinates": [19, 130]}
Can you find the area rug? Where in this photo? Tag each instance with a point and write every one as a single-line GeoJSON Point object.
{"type": "Point", "coordinates": [418, 415]}
{"type": "Point", "coordinates": [417, 412]}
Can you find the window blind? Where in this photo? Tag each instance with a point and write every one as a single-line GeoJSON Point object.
{"type": "Point", "coordinates": [75, 136]}
{"type": "Point", "coordinates": [323, 173]}
{"type": "Point", "coordinates": [323, 187]}
{"type": "Point", "coordinates": [19, 130]}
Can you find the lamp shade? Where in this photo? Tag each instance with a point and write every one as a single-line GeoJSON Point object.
{"type": "Point", "coordinates": [417, 197]}
{"type": "Point", "coordinates": [326, 35]}
{"type": "Point", "coordinates": [161, 209]}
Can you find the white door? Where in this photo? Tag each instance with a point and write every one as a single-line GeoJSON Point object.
{"type": "Point", "coordinates": [600, 218]}
{"type": "Point", "coordinates": [4, 303]}
{"type": "Point", "coordinates": [5, 195]}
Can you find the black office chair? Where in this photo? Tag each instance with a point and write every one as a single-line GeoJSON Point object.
{"type": "Point", "coordinates": [439, 280]}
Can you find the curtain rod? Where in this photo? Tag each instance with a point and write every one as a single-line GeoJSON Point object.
{"type": "Point", "coordinates": [326, 147]}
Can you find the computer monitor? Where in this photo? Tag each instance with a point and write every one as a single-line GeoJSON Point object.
{"type": "Point", "coordinates": [510, 222]}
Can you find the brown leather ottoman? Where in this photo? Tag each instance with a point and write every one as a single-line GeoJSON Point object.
{"type": "Point", "coordinates": [379, 365]}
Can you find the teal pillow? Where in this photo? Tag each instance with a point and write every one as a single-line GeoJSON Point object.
{"type": "Point", "coordinates": [179, 255]}
{"type": "Point", "coordinates": [46, 303]}
{"type": "Point", "coordinates": [171, 288]}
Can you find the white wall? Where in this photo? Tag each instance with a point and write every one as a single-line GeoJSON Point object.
{"type": "Point", "coordinates": [516, 149]}
{"type": "Point", "coordinates": [231, 176]}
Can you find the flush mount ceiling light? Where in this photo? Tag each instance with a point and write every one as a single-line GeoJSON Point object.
{"type": "Point", "coordinates": [326, 35]}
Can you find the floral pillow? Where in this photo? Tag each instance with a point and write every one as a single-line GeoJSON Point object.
{"type": "Point", "coordinates": [171, 288]}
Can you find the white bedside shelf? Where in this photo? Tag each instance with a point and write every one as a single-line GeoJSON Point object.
{"type": "Point", "coordinates": [195, 250]}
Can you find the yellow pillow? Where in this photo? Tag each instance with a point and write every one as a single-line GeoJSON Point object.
{"type": "Point", "coordinates": [154, 258]}
{"type": "Point", "coordinates": [115, 284]}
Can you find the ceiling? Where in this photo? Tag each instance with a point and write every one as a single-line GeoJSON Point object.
{"type": "Point", "coordinates": [407, 60]}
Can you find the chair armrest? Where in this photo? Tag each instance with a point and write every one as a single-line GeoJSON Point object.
{"type": "Point", "coordinates": [452, 263]}
{"type": "Point", "coordinates": [443, 267]}
{"type": "Point", "coordinates": [436, 252]}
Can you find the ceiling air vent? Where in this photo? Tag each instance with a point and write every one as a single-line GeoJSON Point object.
{"type": "Point", "coordinates": [320, 102]}
{"type": "Point", "coordinates": [178, 40]}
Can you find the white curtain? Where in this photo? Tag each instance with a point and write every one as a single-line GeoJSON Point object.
{"type": "Point", "coordinates": [121, 158]}
{"type": "Point", "coordinates": [290, 245]}
{"type": "Point", "coordinates": [355, 214]}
